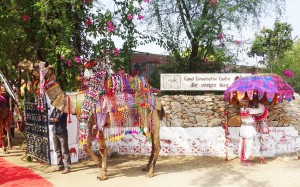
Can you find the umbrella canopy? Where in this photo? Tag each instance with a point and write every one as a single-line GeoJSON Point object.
{"type": "Point", "coordinates": [264, 87]}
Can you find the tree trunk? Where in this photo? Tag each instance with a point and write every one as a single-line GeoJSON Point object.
{"type": "Point", "coordinates": [193, 55]}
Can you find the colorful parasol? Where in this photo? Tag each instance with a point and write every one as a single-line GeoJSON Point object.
{"type": "Point", "coordinates": [264, 87]}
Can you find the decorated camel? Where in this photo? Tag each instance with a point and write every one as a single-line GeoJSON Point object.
{"type": "Point", "coordinates": [109, 106]}
{"type": "Point", "coordinates": [5, 120]}
{"type": "Point", "coordinates": [5, 114]}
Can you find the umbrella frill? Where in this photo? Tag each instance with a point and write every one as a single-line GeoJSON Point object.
{"type": "Point", "coordinates": [270, 86]}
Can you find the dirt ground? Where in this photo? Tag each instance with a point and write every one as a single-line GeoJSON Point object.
{"type": "Point", "coordinates": [125, 171]}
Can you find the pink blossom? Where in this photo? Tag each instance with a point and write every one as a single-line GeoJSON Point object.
{"type": "Point", "coordinates": [238, 42]}
{"type": "Point", "coordinates": [220, 36]}
{"type": "Point", "coordinates": [69, 63]}
{"type": "Point", "coordinates": [77, 59]}
{"type": "Point", "coordinates": [111, 26]}
{"type": "Point", "coordinates": [213, 3]}
{"type": "Point", "coordinates": [147, 1]}
{"type": "Point", "coordinates": [88, 22]}
{"type": "Point", "coordinates": [288, 73]}
{"type": "Point", "coordinates": [129, 17]}
{"type": "Point", "coordinates": [116, 51]}
{"type": "Point", "coordinates": [25, 17]}
{"type": "Point", "coordinates": [140, 17]}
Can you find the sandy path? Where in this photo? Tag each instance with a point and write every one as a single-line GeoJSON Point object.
{"type": "Point", "coordinates": [125, 171]}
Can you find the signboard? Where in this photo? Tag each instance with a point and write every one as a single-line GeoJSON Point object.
{"type": "Point", "coordinates": [198, 81]}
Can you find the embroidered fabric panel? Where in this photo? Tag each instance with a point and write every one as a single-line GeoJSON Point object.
{"type": "Point", "coordinates": [126, 99]}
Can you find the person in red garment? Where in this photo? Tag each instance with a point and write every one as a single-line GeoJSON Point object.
{"type": "Point", "coordinates": [248, 130]}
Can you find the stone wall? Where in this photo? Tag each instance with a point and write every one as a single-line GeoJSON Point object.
{"type": "Point", "coordinates": [208, 111]}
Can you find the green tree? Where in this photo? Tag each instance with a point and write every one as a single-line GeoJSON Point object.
{"type": "Point", "coordinates": [290, 61]}
{"type": "Point", "coordinates": [63, 33]}
{"type": "Point", "coordinates": [203, 26]}
{"type": "Point", "coordinates": [13, 42]}
{"type": "Point", "coordinates": [271, 44]}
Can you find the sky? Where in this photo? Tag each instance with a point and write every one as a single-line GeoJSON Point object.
{"type": "Point", "coordinates": [291, 16]}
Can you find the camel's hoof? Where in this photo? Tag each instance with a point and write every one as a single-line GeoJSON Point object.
{"type": "Point", "coordinates": [145, 169]}
{"type": "Point", "coordinates": [150, 175]}
{"type": "Point", "coordinates": [102, 178]}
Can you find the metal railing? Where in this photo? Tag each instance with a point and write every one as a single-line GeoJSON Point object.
{"type": "Point", "coordinates": [37, 130]}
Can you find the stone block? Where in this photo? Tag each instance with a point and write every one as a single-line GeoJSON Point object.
{"type": "Point", "coordinates": [194, 110]}
{"type": "Point", "coordinates": [273, 123]}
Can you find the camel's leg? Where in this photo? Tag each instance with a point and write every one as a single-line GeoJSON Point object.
{"type": "Point", "coordinates": [88, 146]}
{"type": "Point", "coordinates": [7, 124]}
{"type": "Point", "coordinates": [103, 153]}
{"type": "Point", "coordinates": [88, 150]}
{"type": "Point", "coordinates": [4, 145]}
{"type": "Point", "coordinates": [9, 144]}
{"type": "Point", "coordinates": [147, 168]}
{"type": "Point", "coordinates": [155, 142]}
{"type": "Point", "coordinates": [2, 139]}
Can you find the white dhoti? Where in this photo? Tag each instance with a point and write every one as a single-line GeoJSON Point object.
{"type": "Point", "coordinates": [247, 134]}
{"type": "Point", "coordinates": [247, 130]}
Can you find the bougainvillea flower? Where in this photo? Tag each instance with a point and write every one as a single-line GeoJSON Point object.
{"type": "Point", "coordinates": [25, 17]}
{"type": "Point", "coordinates": [213, 3]}
{"type": "Point", "coordinates": [129, 17]}
{"type": "Point", "coordinates": [288, 73]}
{"type": "Point", "coordinates": [88, 1]}
{"type": "Point", "coordinates": [220, 36]}
{"type": "Point", "coordinates": [111, 26]}
{"type": "Point", "coordinates": [77, 59]}
{"type": "Point", "coordinates": [116, 51]}
{"type": "Point", "coordinates": [88, 22]}
{"type": "Point", "coordinates": [140, 17]}
{"type": "Point", "coordinates": [238, 42]}
{"type": "Point", "coordinates": [69, 63]}
{"type": "Point", "coordinates": [147, 1]}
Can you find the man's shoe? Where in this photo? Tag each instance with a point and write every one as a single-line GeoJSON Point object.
{"type": "Point", "coordinates": [65, 171]}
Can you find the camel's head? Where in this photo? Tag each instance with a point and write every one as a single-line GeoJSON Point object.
{"type": "Point", "coordinates": [30, 67]}
{"type": "Point", "coordinates": [50, 74]}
